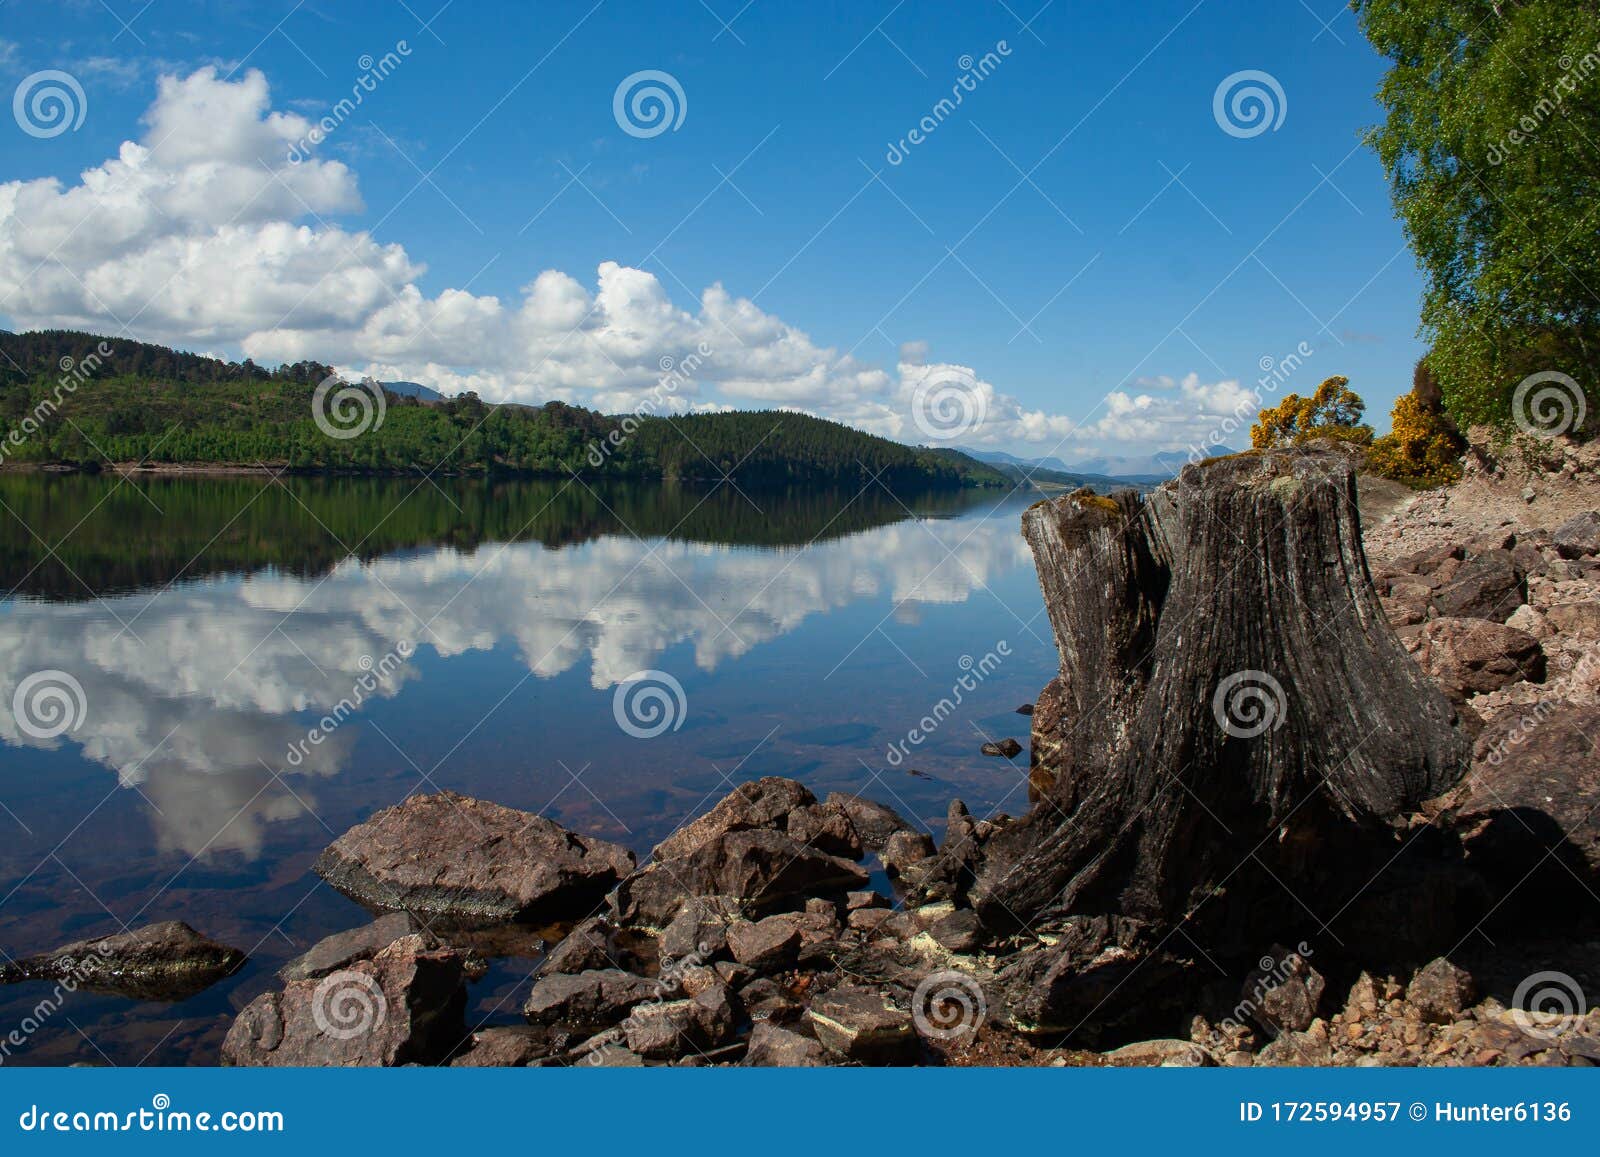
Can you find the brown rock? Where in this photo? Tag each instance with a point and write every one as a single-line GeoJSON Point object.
{"type": "Point", "coordinates": [402, 1006]}
{"type": "Point", "coordinates": [905, 849]}
{"type": "Point", "coordinates": [763, 868]}
{"type": "Point", "coordinates": [1471, 656]}
{"type": "Point", "coordinates": [470, 859]}
{"type": "Point", "coordinates": [860, 1024]}
{"type": "Point", "coordinates": [1441, 992]}
{"type": "Point", "coordinates": [343, 949]}
{"type": "Point", "coordinates": [1487, 586]}
{"type": "Point", "coordinates": [166, 961]}
{"type": "Point", "coordinates": [769, 945]}
{"type": "Point", "coordinates": [1167, 1054]}
{"type": "Point", "coordinates": [826, 827]}
{"type": "Point", "coordinates": [507, 1047]}
{"type": "Point", "coordinates": [775, 1047]}
{"type": "Point", "coordinates": [765, 803]}
{"type": "Point", "coordinates": [588, 1001]}
{"type": "Point", "coordinates": [874, 822]}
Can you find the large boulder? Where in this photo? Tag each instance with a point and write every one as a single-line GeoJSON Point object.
{"type": "Point", "coordinates": [763, 803]}
{"type": "Point", "coordinates": [1529, 815]}
{"type": "Point", "coordinates": [874, 823]}
{"type": "Point", "coordinates": [1467, 656]}
{"type": "Point", "coordinates": [1578, 537]}
{"type": "Point", "coordinates": [166, 961]}
{"type": "Point", "coordinates": [1489, 586]}
{"type": "Point", "coordinates": [472, 860]}
{"type": "Point", "coordinates": [760, 867]}
{"type": "Point", "coordinates": [402, 1006]}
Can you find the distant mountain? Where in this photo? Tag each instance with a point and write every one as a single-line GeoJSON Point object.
{"type": "Point", "coordinates": [1156, 467]}
{"type": "Point", "coordinates": [1053, 472]}
{"type": "Point", "coordinates": [413, 390]}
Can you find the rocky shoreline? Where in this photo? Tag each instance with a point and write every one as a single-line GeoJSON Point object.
{"type": "Point", "coordinates": [755, 935]}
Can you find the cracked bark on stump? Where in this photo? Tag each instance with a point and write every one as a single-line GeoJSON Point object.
{"type": "Point", "coordinates": [1178, 619]}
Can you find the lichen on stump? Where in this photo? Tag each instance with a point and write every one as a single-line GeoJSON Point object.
{"type": "Point", "coordinates": [1231, 696]}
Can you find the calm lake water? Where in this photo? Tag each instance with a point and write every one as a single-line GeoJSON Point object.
{"type": "Point", "coordinates": [213, 624]}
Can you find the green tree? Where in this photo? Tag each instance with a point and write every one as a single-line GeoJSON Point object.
{"type": "Point", "coordinates": [1492, 147]}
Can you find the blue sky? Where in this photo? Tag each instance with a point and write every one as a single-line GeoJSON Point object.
{"type": "Point", "coordinates": [1081, 226]}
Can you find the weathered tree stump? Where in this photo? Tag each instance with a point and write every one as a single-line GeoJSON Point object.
{"type": "Point", "coordinates": [1234, 720]}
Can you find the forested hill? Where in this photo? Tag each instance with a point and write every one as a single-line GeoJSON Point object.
{"type": "Point", "coordinates": [64, 401]}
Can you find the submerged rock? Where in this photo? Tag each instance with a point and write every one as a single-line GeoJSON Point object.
{"type": "Point", "coordinates": [166, 961]}
{"type": "Point", "coordinates": [1007, 748]}
{"type": "Point", "coordinates": [474, 860]}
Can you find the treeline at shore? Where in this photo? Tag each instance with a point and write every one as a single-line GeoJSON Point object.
{"type": "Point", "coordinates": [79, 400]}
